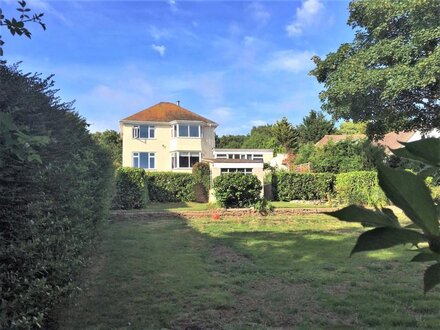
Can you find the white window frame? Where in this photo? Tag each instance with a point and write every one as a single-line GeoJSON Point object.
{"type": "Point", "coordinates": [150, 155]}
{"type": "Point", "coordinates": [235, 170]}
{"type": "Point", "coordinates": [175, 131]}
{"type": "Point", "coordinates": [151, 130]}
{"type": "Point", "coordinates": [175, 158]}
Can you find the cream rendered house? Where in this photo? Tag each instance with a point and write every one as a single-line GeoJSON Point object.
{"type": "Point", "coordinates": [166, 137]}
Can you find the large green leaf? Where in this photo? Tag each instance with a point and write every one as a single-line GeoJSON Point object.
{"type": "Point", "coordinates": [409, 192]}
{"type": "Point", "coordinates": [386, 237]}
{"type": "Point", "coordinates": [431, 277]}
{"type": "Point", "coordinates": [355, 213]}
{"type": "Point", "coordinates": [426, 256]}
{"type": "Point", "coordinates": [428, 150]}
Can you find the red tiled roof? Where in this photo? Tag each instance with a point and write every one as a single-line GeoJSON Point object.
{"type": "Point", "coordinates": [166, 112]}
{"type": "Point", "coordinates": [391, 140]}
{"type": "Point", "coordinates": [341, 137]}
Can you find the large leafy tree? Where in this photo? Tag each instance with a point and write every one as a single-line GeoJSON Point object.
{"type": "Point", "coordinates": [389, 75]}
{"type": "Point", "coordinates": [229, 141]}
{"type": "Point", "coordinates": [111, 142]}
{"type": "Point", "coordinates": [285, 134]}
{"type": "Point", "coordinates": [18, 26]}
{"type": "Point", "coordinates": [349, 127]}
{"type": "Point", "coordinates": [261, 137]}
{"type": "Point", "coordinates": [314, 127]}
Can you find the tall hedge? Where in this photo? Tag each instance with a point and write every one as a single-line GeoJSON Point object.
{"type": "Point", "coordinates": [131, 190]}
{"type": "Point", "coordinates": [170, 186]}
{"type": "Point", "coordinates": [289, 186]}
{"type": "Point", "coordinates": [360, 187]}
{"type": "Point", "coordinates": [55, 187]}
{"type": "Point", "coordinates": [237, 189]}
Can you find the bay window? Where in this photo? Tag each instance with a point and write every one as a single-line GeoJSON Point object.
{"type": "Point", "coordinates": [144, 160]}
{"type": "Point", "coordinates": [186, 130]}
{"type": "Point", "coordinates": [184, 159]}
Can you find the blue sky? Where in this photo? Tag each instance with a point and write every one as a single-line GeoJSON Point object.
{"type": "Point", "coordinates": [239, 63]}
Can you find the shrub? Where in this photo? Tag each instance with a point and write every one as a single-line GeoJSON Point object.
{"type": "Point", "coordinates": [55, 191]}
{"type": "Point", "coordinates": [306, 186]}
{"type": "Point", "coordinates": [237, 189]}
{"type": "Point", "coordinates": [131, 191]}
{"type": "Point", "coordinates": [359, 188]}
{"type": "Point", "coordinates": [202, 177]}
{"type": "Point", "coordinates": [170, 187]}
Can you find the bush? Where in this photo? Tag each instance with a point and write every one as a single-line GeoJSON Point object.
{"type": "Point", "coordinates": [170, 187]}
{"type": "Point", "coordinates": [131, 189]}
{"type": "Point", "coordinates": [202, 177]}
{"type": "Point", "coordinates": [55, 191]}
{"type": "Point", "coordinates": [359, 188]}
{"type": "Point", "coordinates": [237, 189]}
{"type": "Point", "coordinates": [289, 186]}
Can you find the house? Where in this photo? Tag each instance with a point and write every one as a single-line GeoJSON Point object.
{"type": "Point", "coordinates": [168, 137]}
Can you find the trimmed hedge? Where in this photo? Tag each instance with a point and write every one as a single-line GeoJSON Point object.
{"type": "Point", "coordinates": [55, 191]}
{"type": "Point", "coordinates": [237, 189]}
{"type": "Point", "coordinates": [170, 187]}
{"type": "Point", "coordinates": [289, 186]}
{"type": "Point", "coordinates": [131, 189]}
{"type": "Point", "coordinates": [360, 187]}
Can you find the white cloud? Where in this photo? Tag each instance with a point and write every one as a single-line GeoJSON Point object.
{"type": "Point", "coordinates": [160, 49]}
{"type": "Point", "coordinates": [290, 60]}
{"type": "Point", "coordinates": [222, 113]}
{"type": "Point", "coordinates": [307, 14]}
{"type": "Point", "coordinates": [258, 122]}
{"type": "Point", "coordinates": [173, 5]}
{"type": "Point", "coordinates": [48, 9]}
{"type": "Point", "coordinates": [158, 33]}
{"type": "Point", "coordinates": [258, 12]}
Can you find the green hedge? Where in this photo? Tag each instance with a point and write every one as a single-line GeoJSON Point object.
{"type": "Point", "coordinates": [237, 189]}
{"type": "Point", "coordinates": [359, 188]}
{"type": "Point", "coordinates": [289, 186]}
{"type": "Point", "coordinates": [55, 191]}
{"type": "Point", "coordinates": [131, 190]}
{"type": "Point", "coordinates": [170, 187]}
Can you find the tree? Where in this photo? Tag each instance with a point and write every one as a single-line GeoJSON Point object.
{"type": "Point", "coordinates": [19, 26]}
{"type": "Point", "coordinates": [111, 142]}
{"type": "Point", "coordinates": [351, 128]}
{"type": "Point", "coordinates": [285, 135]}
{"type": "Point", "coordinates": [314, 127]}
{"type": "Point", "coordinates": [389, 75]}
{"type": "Point", "coordinates": [261, 137]}
{"type": "Point", "coordinates": [230, 141]}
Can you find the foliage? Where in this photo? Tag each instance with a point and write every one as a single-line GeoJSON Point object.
{"type": "Point", "coordinates": [345, 156]}
{"type": "Point", "coordinates": [170, 186]}
{"type": "Point", "coordinates": [305, 153]}
{"type": "Point", "coordinates": [351, 128]}
{"type": "Point", "coordinates": [261, 137]}
{"type": "Point", "coordinates": [314, 126]}
{"type": "Point", "coordinates": [110, 141]}
{"type": "Point", "coordinates": [263, 206]}
{"type": "Point", "coordinates": [131, 189]}
{"type": "Point", "coordinates": [389, 75]}
{"type": "Point", "coordinates": [286, 135]}
{"type": "Point", "coordinates": [18, 26]}
{"type": "Point", "coordinates": [230, 141]}
{"type": "Point", "coordinates": [55, 190]}
{"type": "Point", "coordinates": [202, 177]}
{"type": "Point", "coordinates": [360, 187]}
{"type": "Point", "coordinates": [409, 192]}
{"type": "Point", "coordinates": [237, 189]}
{"type": "Point", "coordinates": [306, 186]}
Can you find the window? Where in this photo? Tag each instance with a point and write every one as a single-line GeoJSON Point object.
{"type": "Point", "coordinates": [222, 156]}
{"type": "Point", "coordinates": [143, 132]}
{"type": "Point", "coordinates": [257, 157]}
{"type": "Point", "coordinates": [234, 170]}
{"type": "Point", "coordinates": [145, 160]}
{"type": "Point", "coordinates": [184, 159]}
{"type": "Point", "coordinates": [185, 130]}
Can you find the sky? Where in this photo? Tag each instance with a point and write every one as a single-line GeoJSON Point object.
{"type": "Point", "coordinates": [239, 63]}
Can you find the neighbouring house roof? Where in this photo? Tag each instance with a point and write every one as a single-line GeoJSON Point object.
{"type": "Point", "coordinates": [166, 112]}
{"type": "Point", "coordinates": [341, 137]}
{"type": "Point", "coordinates": [243, 150]}
{"type": "Point", "coordinates": [228, 161]}
{"type": "Point", "coordinates": [391, 140]}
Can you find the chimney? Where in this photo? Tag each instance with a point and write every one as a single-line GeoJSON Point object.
{"type": "Point", "coordinates": [178, 103]}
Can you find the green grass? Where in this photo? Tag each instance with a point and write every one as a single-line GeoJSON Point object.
{"type": "Point", "coordinates": [294, 205]}
{"type": "Point", "coordinates": [247, 273]}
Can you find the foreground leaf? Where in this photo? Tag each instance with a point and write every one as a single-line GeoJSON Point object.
{"type": "Point", "coordinates": [386, 237]}
{"type": "Point", "coordinates": [409, 192]}
{"type": "Point", "coordinates": [426, 256]}
{"type": "Point", "coordinates": [431, 277]}
{"type": "Point", "coordinates": [428, 150]}
{"type": "Point", "coordinates": [355, 213]}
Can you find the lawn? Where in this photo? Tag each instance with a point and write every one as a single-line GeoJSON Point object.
{"type": "Point", "coordinates": [247, 273]}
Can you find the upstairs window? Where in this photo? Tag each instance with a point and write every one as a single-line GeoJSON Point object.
{"type": "Point", "coordinates": [185, 130]}
{"type": "Point", "coordinates": [146, 160]}
{"type": "Point", "coordinates": [144, 132]}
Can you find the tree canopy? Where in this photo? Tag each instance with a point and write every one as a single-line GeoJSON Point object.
{"type": "Point", "coordinates": [285, 134]}
{"type": "Point", "coordinates": [314, 126]}
{"type": "Point", "coordinates": [111, 142]}
{"type": "Point", "coordinates": [349, 127]}
{"type": "Point", "coordinates": [389, 75]}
